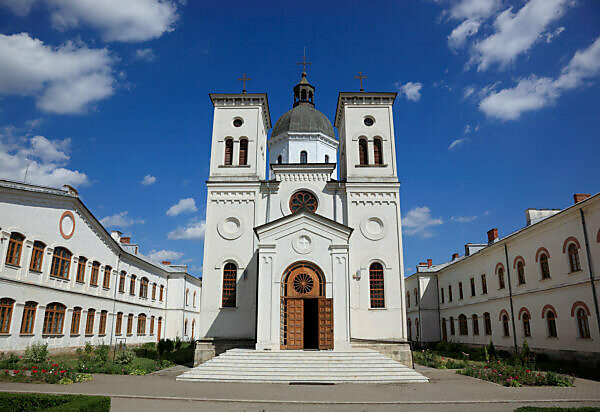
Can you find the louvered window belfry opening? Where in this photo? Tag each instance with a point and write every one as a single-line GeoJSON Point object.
{"type": "Point", "coordinates": [243, 152]}
{"type": "Point", "coordinates": [363, 150]}
{"type": "Point", "coordinates": [228, 152]}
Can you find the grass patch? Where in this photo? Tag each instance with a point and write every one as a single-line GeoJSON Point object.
{"type": "Point", "coordinates": [33, 402]}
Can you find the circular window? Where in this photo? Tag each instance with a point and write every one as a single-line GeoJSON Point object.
{"type": "Point", "coordinates": [369, 121]}
{"type": "Point", "coordinates": [303, 200]}
{"type": "Point", "coordinates": [303, 283]}
{"type": "Point", "coordinates": [238, 122]}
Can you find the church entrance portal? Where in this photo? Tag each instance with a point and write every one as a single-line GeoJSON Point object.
{"type": "Point", "coordinates": [306, 314]}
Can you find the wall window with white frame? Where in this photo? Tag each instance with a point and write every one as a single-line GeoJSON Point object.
{"type": "Point", "coordinates": [551, 322]}
{"type": "Point", "coordinates": [229, 285]}
{"type": "Point", "coordinates": [583, 324]}
{"type": "Point", "coordinates": [54, 319]}
{"type": "Point", "coordinates": [37, 256]}
{"type": "Point", "coordinates": [6, 311]}
{"type": "Point", "coordinates": [15, 247]}
{"type": "Point", "coordinates": [574, 263]}
{"type": "Point", "coordinates": [377, 285]}
{"type": "Point", "coordinates": [61, 262]}
{"type": "Point", "coordinates": [28, 321]}
{"type": "Point", "coordinates": [487, 323]}
{"type": "Point", "coordinates": [475, 320]}
{"type": "Point", "coordinates": [544, 266]}
{"type": "Point", "coordinates": [521, 272]}
{"type": "Point", "coordinates": [526, 325]}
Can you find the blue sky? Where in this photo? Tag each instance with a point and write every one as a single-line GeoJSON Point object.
{"type": "Point", "coordinates": [497, 107]}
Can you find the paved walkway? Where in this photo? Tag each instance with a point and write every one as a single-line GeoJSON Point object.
{"type": "Point", "coordinates": [446, 391]}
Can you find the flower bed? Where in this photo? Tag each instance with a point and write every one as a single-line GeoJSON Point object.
{"type": "Point", "coordinates": [434, 360]}
{"type": "Point", "coordinates": [53, 403]}
{"type": "Point", "coordinates": [44, 373]}
{"type": "Point", "coordinates": [511, 375]}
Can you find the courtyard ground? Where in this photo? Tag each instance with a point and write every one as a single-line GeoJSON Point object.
{"type": "Point", "coordinates": [447, 391]}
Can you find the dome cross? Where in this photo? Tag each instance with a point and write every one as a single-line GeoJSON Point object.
{"type": "Point", "coordinates": [361, 77]}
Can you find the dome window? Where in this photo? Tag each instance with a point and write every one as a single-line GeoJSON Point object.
{"type": "Point", "coordinates": [369, 121]}
{"type": "Point", "coordinates": [303, 200]}
{"type": "Point", "coordinates": [303, 157]}
{"type": "Point", "coordinates": [237, 122]}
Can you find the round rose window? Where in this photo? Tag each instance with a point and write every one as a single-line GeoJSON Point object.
{"type": "Point", "coordinates": [303, 283]}
{"type": "Point", "coordinates": [303, 200]}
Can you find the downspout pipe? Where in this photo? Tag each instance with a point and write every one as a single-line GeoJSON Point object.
{"type": "Point", "coordinates": [116, 285]}
{"type": "Point", "coordinates": [590, 265]}
{"type": "Point", "coordinates": [510, 294]}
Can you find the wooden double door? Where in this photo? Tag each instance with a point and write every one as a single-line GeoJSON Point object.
{"type": "Point", "coordinates": [307, 323]}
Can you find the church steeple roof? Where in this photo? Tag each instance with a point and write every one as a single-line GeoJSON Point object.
{"type": "Point", "coordinates": [304, 92]}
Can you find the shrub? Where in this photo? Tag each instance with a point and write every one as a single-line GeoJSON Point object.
{"type": "Point", "coordinates": [36, 353]}
{"type": "Point", "coordinates": [124, 357]}
{"type": "Point", "coordinates": [53, 403]}
{"type": "Point", "coordinates": [9, 362]}
{"type": "Point", "coordinates": [164, 347]}
{"type": "Point", "coordinates": [177, 344]}
{"type": "Point", "coordinates": [101, 353]}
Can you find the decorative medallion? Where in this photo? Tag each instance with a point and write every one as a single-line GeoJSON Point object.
{"type": "Point", "coordinates": [302, 244]}
{"type": "Point", "coordinates": [230, 227]}
{"type": "Point", "coordinates": [303, 283]}
{"type": "Point", "coordinates": [303, 200]}
{"type": "Point", "coordinates": [66, 225]}
{"type": "Point", "coordinates": [373, 228]}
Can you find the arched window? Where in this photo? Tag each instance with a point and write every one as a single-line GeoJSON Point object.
{"type": "Point", "coordinates": [89, 323]}
{"type": "Point", "coordinates": [452, 331]}
{"type": "Point", "coordinates": [487, 323]}
{"type": "Point", "coordinates": [443, 297]}
{"type": "Point", "coordinates": [94, 275]}
{"type": "Point", "coordinates": [54, 319]}
{"type": "Point", "coordinates": [119, 323]}
{"type": "Point", "coordinates": [444, 330]}
{"type": "Point", "coordinates": [460, 291]}
{"type": "Point", "coordinates": [582, 324]}
{"type": "Point", "coordinates": [303, 95]}
{"type": "Point", "coordinates": [106, 279]}
{"type": "Point", "coordinates": [326, 158]}
{"type": "Point", "coordinates": [159, 328]}
{"type": "Point", "coordinates": [526, 325]}
{"type": "Point", "coordinates": [574, 258]}
{"type": "Point", "coordinates": [243, 152]}
{"type": "Point", "coordinates": [132, 285]}
{"type": "Point", "coordinates": [37, 256]}
{"type": "Point", "coordinates": [303, 157]}
{"type": "Point", "coordinates": [279, 159]}
{"type": "Point", "coordinates": [409, 329]}
{"type": "Point", "coordinates": [144, 287]}
{"type": "Point", "coordinates": [229, 285]}
{"type": "Point", "coordinates": [376, 284]}
{"type": "Point", "coordinates": [141, 325]}
{"type": "Point", "coordinates": [378, 151]}
{"type": "Point", "coordinates": [417, 328]}
{"type": "Point", "coordinates": [505, 325]}
{"type": "Point", "coordinates": [416, 297]}
{"type": "Point", "coordinates": [475, 320]}
{"type": "Point", "coordinates": [449, 293]}
{"type": "Point", "coordinates": [194, 300]}
{"type": "Point", "coordinates": [544, 266]}
{"type": "Point", "coordinates": [228, 152]}
{"type": "Point", "coordinates": [130, 324]}
{"type": "Point", "coordinates": [463, 328]}
{"type": "Point", "coordinates": [187, 297]}
{"type": "Point", "coordinates": [102, 326]}
{"type": "Point", "coordinates": [363, 152]}
{"type": "Point", "coordinates": [551, 320]}
{"type": "Point", "coordinates": [28, 320]}
{"type": "Point", "coordinates": [6, 310]}
{"type": "Point", "coordinates": [521, 272]}
{"type": "Point", "coordinates": [75, 321]}
{"type": "Point", "coordinates": [162, 289]}
{"type": "Point", "coordinates": [408, 299]}
{"type": "Point", "coordinates": [151, 325]}
{"type": "Point", "coordinates": [483, 285]}
{"type": "Point", "coordinates": [61, 261]}
{"type": "Point", "coordinates": [81, 269]}
{"type": "Point", "coordinates": [154, 291]}
{"type": "Point", "coordinates": [501, 284]}
{"type": "Point", "coordinates": [15, 247]}
{"type": "Point", "coordinates": [185, 323]}
{"type": "Point", "coordinates": [193, 327]}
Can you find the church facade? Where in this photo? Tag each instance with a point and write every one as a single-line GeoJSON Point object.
{"type": "Point", "coordinates": [295, 258]}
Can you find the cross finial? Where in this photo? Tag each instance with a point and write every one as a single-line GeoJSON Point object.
{"type": "Point", "coordinates": [361, 77]}
{"type": "Point", "coordinates": [304, 63]}
{"type": "Point", "coordinates": [243, 79]}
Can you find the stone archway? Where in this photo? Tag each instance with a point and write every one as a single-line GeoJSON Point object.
{"type": "Point", "coordinates": [306, 314]}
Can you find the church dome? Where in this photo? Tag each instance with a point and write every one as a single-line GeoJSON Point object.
{"type": "Point", "coordinates": [303, 118]}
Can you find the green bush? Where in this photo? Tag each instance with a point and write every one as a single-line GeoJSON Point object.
{"type": "Point", "coordinates": [36, 353]}
{"type": "Point", "coordinates": [33, 402]}
{"type": "Point", "coordinates": [164, 347]}
{"type": "Point", "coordinates": [124, 357]}
{"type": "Point", "coordinates": [101, 353]}
{"type": "Point", "coordinates": [10, 362]}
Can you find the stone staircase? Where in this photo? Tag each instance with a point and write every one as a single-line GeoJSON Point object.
{"type": "Point", "coordinates": [297, 366]}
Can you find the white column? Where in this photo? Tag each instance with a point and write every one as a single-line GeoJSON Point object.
{"type": "Point", "coordinates": [264, 338]}
{"type": "Point", "coordinates": [341, 310]}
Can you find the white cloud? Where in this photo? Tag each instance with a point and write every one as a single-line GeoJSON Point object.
{"type": "Point", "coordinates": [474, 9]}
{"type": "Point", "coordinates": [458, 36]}
{"type": "Point", "coordinates": [193, 231]}
{"type": "Point", "coordinates": [148, 180]}
{"type": "Point", "coordinates": [184, 205]}
{"type": "Point", "coordinates": [19, 7]}
{"type": "Point", "coordinates": [516, 33]}
{"type": "Point", "coordinates": [457, 142]}
{"type": "Point", "coordinates": [412, 90]}
{"type": "Point", "coordinates": [64, 79]}
{"type": "Point", "coordinates": [38, 160]}
{"type": "Point", "coordinates": [536, 92]}
{"type": "Point", "coordinates": [144, 54]}
{"type": "Point", "coordinates": [550, 36]}
{"type": "Point", "coordinates": [418, 221]}
{"type": "Point", "coordinates": [467, 129]}
{"type": "Point", "coordinates": [160, 255]}
{"type": "Point", "coordinates": [468, 91]}
{"type": "Point", "coordinates": [120, 220]}
{"type": "Point", "coordinates": [463, 219]}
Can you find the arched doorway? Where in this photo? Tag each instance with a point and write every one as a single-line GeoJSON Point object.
{"type": "Point", "coordinates": [306, 314]}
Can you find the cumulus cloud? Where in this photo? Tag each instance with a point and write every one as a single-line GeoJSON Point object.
{"type": "Point", "coordinates": [550, 36]}
{"type": "Point", "coordinates": [534, 92]}
{"type": "Point", "coordinates": [19, 7]}
{"type": "Point", "coordinates": [459, 35]}
{"type": "Point", "coordinates": [37, 160]}
{"type": "Point", "coordinates": [463, 219]}
{"type": "Point", "coordinates": [64, 79]}
{"type": "Point", "coordinates": [457, 142]}
{"type": "Point", "coordinates": [121, 219]}
{"type": "Point", "coordinates": [184, 205]}
{"type": "Point", "coordinates": [144, 54]}
{"type": "Point", "coordinates": [163, 254]}
{"type": "Point", "coordinates": [411, 90]}
{"type": "Point", "coordinates": [472, 13]}
{"type": "Point", "coordinates": [418, 221]}
{"type": "Point", "coordinates": [148, 180]}
{"type": "Point", "coordinates": [516, 33]}
{"type": "Point", "coordinates": [194, 230]}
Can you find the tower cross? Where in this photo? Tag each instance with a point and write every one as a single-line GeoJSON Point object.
{"type": "Point", "coordinates": [304, 63]}
{"type": "Point", "coordinates": [243, 79]}
{"type": "Point", "coordinates": [361, 77]}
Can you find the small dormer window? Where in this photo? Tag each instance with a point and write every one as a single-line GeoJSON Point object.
{"type": "Point", "coordinates": [279, 159]}
{"type": "Point", "coordinates": [303, 157]}
{"type": "Point", "coordinates": [369, 121]}
{"type": "Point", "coordinates": [237, 122]}
{"type": "Point", "coordinates": [326, 158]}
